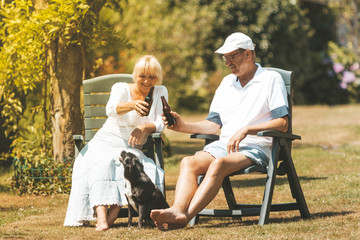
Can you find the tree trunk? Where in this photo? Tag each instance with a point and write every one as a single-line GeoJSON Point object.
{"type": "Point", "coordinates": [66, 75]}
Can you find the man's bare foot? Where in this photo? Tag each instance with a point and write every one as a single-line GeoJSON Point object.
{"type": "Point", "coordinates": [168, 219]}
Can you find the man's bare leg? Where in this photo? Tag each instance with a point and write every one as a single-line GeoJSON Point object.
{"type": "Point", "coordinates": [218, 169]}
{"type": "Point", "coordinates": [186, 187]}
{"type": "Point", "coordinates": [101, 212]}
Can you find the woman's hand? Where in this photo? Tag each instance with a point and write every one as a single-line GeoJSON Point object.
{"type": "Point", "coordinates": [233, 144]}
{"type": "Point", "coordinates": [138, 136]}
{"type": "Point", "coordinates": [141, 107]}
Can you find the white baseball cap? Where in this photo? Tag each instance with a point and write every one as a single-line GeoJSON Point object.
{"type": "Point", "coordinates": [235, 41]}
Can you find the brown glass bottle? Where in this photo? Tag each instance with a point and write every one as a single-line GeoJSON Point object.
{"type": "Point", "coordinates": [149, 100]}
{"type": "Point", "coordinates": [166, 109]}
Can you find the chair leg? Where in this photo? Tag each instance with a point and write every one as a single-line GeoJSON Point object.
{"type": "Point", "coordinates": [194, 220]}
{"type": "Point", "coordinates": [270, 183]}
{"type": "Point", "coordinates": [295, 185]}
{"type": "Point", "coordinates": [229, 194]}
{"type": "Point", "coordinates": [158, 156]}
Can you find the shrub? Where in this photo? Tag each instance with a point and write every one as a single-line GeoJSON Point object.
{"type": "Point", "coordinates": [41, 177]}
{"type": "Point", "coordinates": [347, 68]}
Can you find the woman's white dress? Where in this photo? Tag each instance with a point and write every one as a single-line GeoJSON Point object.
{"type": "Point", "coordinates": [98, 176]}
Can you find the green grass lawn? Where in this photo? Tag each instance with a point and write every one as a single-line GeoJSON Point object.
{"type": "Point", "coordinates": [327, 160]}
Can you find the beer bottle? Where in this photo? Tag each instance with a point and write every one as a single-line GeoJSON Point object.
{"type": "Point", "coordinates": [166, 109]}
{"type": "Point", "coordinates": [149, 100]}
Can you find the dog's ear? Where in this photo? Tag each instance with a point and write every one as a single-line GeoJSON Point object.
{"type": "Point", "coordinates": [123, 154]}
{"type": "Point", "coordinates": [122, 157]}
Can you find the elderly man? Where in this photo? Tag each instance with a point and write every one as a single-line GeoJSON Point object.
{"type": "Point", "coordinates": [249, 100]}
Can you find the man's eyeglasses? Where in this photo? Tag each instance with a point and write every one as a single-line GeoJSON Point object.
{"type": "Point", "coordinates": [231, 57]}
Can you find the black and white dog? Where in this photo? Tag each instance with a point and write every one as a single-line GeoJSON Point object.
{"type": "Point", "coordinates": [141, 193]}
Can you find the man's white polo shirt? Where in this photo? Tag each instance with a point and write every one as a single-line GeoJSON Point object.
{"type": "Point", "coordinates": [263, 98]}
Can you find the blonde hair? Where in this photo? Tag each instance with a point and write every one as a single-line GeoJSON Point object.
{"type": "Point", "coordinates": [149, 65]}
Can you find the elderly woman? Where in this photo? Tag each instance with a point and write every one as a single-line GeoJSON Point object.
{"type": "Point", "coordinates": [98, 184]}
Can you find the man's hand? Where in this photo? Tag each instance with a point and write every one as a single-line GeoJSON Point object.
{"type": "Point", "coordinates": [233, 144]}
{"type": "Point", "coordinates": [179, 122]}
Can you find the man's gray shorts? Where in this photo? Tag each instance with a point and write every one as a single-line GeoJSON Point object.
{"type": "Point", "coordinates": [218, 149]}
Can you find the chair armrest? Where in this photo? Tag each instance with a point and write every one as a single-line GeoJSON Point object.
{"type": "Point", "coordinates": [156, 135]}
{"type": "Point", "coordinates": [78, 138]}
{"type": "Point", "coordinates": [209, 138]}
{"type": "Point", "coordinates": [279, 134]}
{"type": "Point", "coordinates": [212, 137]}
{"type": "Point", "coordinates": [79, 143]}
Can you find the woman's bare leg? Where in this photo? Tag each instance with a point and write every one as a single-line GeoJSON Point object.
{"type": "Point", "coordinates": [113, 214]}
{"type": "Point", "coordinates": [102, 224]}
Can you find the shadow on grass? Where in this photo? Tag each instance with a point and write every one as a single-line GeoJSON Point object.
{"type": "Point", "coordinates": [222, 222]}
{"type": "Point", "coordinates": [170, 187]}
{"type": "Point", "coordinates": [133, 225]}
{"type": "Point", "coordinates": [259, 182]}
{"type": "Point", "coordinates": [4, 188]}
{"type": "Point", "coordinates": [239, 222]}
{"type": "Point", "coordinates": [9, 209]}
{"type": "Point", "coordinates": [115, 225]}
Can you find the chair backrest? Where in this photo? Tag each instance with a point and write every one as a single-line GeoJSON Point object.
{"type": "Point", "coordinates": [287, 76]}
{"type": "Point", "coordinates": [96, 95]}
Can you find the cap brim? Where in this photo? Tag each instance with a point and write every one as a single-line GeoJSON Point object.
{"type": "Point", "coordinates": [223, 50]}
